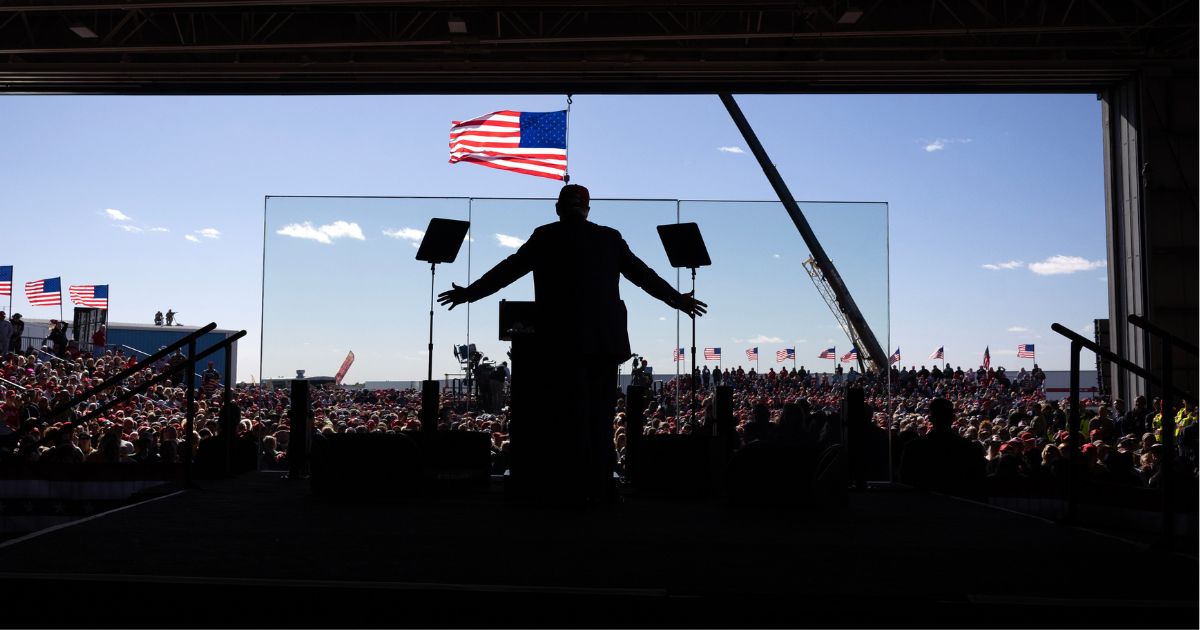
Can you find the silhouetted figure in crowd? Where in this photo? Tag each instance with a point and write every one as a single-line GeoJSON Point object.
{"type": "Point", "coordinates": [577, 266]}
{"type": "Point", "coordinates": [941, 460]}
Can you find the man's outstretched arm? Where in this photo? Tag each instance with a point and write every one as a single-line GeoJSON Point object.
{"type": "Point", "coordinates": [643, 276]}
{"type": "Point", "coordinates": [505, 272]}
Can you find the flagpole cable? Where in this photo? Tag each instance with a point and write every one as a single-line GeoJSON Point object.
{"type": "Point", "coordinates": [567, 144]}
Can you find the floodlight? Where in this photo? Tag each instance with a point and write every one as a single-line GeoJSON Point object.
{"type": "Point", "coordinates": [851, 16]}
{"type": "Point", "coordinates": [457, 25]}
{"type": "Point", "coordinates": [82, 31]}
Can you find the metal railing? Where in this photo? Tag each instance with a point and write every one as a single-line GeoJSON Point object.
{"type": "Point", "coordinates": [1167, 465]}
{"type": "Point", "coordinates": [192, 356]}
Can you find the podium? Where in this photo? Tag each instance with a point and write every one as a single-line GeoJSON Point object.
{"type": "Point", "coordinates": [518, 326]}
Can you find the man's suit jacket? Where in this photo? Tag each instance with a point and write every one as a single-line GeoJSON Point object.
{"type": "Point", "coordinates": [576, 268]}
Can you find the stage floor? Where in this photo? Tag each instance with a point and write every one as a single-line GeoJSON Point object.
{"type": "Point", "coordinates": [261, 550]}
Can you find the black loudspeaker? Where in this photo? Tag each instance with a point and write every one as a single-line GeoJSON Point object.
{"type": "Point", "coordinates": [673, 465]}
{"type": "Point", "coordinates": [366, 466]}
{"type": "Point", "coordinates": [1103, 366]}
{"type": "Point", "coordinates": [455, 458]}
{"type": "Point", "coordinates": [299, 433]}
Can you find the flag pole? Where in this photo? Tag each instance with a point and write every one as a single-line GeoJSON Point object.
{"type": "Point", "coordinates": [567, 144]}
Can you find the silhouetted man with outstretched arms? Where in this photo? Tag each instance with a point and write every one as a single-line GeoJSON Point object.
{"type": "Point", "coordinates": [580, 331]}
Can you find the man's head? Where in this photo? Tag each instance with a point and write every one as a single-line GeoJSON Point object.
{"type": "Point", "coordinates": [573, 202]}
{"type": "Point", "coordinates": [941, 413]}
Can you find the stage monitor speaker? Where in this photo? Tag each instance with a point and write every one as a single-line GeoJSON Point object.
{"type": "Point", "coordinates": [366, 465]}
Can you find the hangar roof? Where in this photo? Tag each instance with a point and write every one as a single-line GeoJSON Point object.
{"type": "Point", "coordinates": [586, 46]}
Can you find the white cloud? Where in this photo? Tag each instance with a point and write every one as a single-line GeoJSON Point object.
{"type": "Point", "coordinates": [116, 215]}
{"type": "Point", "coordinates": [662, 319]}
{"type": "Point", "coordinates": [159, 229]}
{"type": "Point", "coordinates": [939, 144]}
{"type": "Point", "coordinates": [1017, 329]}
{"type": "Point", "coordinates": [1088, 328]}
{"type": "Point", "coordinates": [209, 233]}
{"type": "Point", "coordinates": [191, 237]}
{"type": "Point", "coordinates": [730, 150]}
{"type": "Point", "coordinates": [405, 234]}
{"type": "Point", "coordinates": [1057, 265]}
{"type": "Point", "coordinates": [775, 256]}
{"type": "Point", "coordinates": [765, 339]}
{"type": "Point", "coordinates": [509, 241]}
{"type": "Point", "coordinates": [129, 228]}
{"type": "Point", "coordinates": [1012, 264]}
{"type": "Point", "coordinates": [323, 234]}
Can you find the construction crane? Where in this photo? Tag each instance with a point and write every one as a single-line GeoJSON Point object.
{"type": "Point", "coordinates": [830, 296]}
{"type": "Point", "coordinates": [820, 268]}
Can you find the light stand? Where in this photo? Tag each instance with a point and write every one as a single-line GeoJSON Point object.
{"type": "Point", "coordinates": [443, 238]}
{"type": "Point", "coordinates": [685, 248]}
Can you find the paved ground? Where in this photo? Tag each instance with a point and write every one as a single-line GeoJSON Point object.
{"type": "Point", "coordinates": [260, 550]}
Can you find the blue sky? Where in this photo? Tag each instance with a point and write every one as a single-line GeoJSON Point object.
{"type": "Point", "coordinates": [995, 207]}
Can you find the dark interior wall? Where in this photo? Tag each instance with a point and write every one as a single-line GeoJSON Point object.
{"type": "Point", "coordinates": [1151, 149]}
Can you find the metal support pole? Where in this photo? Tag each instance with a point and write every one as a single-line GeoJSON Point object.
{"type": "Point", "coordinates": [432, 273]}
{"type": "Point", "coordinates": [1073, 462]}
{"type": "Point", "coordinates": [693, 379]}
{"type": "Point", "coordinates": [190, 414]}
{"type": "Point", "coordinates": [845, 301]}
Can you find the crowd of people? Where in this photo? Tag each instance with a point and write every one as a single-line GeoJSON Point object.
{"type": "Point", "coordinates": [1014, 432]}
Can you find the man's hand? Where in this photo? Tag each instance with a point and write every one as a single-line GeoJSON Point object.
{"type": "Point", "coordinates": [691, 306]}
{"type": "Point", "coordinates": [455, 296]}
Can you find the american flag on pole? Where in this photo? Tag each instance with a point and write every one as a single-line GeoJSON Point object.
{"type": "Point", "coordinates": [712, 354]}
{"type": "Point", "coordinates": [89, 295]}
{"type": "Point", "coordinates": [1025, 351]}
{"type": "Point", "coordinates": [895, 356]}
{"type": "Point", "coordinates": [829, 353]}
{"type": "Point", "coordinates": [785, 354]}
{"type": "Point", "coordinates": [678, 354]}
{"type": "Point", "coordinates": [6, 280]}
{"type": "Point", "coordinates": [531, 143]}
{"type": "Point", "coordinates": [987, 357]}
{"type": "Point", "coordinates": [850, 356]}
{"type": "Point", "coordinates": [47, 292]}
{"type": "Point", "coordinates": [752, 354]}
{"type": "Point", "coordinates": [940, 353]}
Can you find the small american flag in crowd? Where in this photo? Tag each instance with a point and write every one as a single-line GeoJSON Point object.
{"type": "Point", "coordinates": [89, 295]}
{"type": "Point", "coordinates": [712, 354]}
{"type": "Point", "coordinates": [1025, 351]}
{"type": "Point", "coordinates": [829, 353]}
{"type": "Point", "coordinates": [678, 354]}
{"type": "Point", "coordinates": [6, 280]}
{"type": "Point", "coordinates": [785, 354]}
{"type": "Point", "coordinates": [895, 356]}
{"type": "Point", "coordinates": [531, 143]}
{"type": "Point", "coordinates": [940, 353]}
{"type": "Point", "coordinates": [752, 354]}
{"type": "Point", "coordinates": [987, 357]}
{"type": "Point", "coordinates": [850, 356]}
{"type": "Point", "coordinates": [46, 292]}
